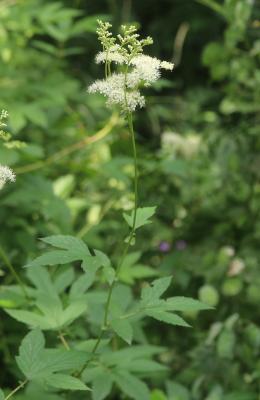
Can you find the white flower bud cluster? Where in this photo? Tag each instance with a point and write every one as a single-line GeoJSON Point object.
{"type": "Point", "coordinates": [136, 69]}
{"type": "Point", "coordinates": [6, 174]}
{"type": "Point", "coordinates": [112, 55]}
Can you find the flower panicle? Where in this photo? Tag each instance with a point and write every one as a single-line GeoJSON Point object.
{"type": "Point", "coordinates": [136, 70]}
{"type": "Point", "coordinates": [6, 174]}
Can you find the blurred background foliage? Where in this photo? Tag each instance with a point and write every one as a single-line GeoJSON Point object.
{"type": "Point", "coordinates": [198, 145]}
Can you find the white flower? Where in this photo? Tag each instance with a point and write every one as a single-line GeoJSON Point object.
{"type": "Point", "coordinates": [167, 65]}
{"type": "Point", "coordinates": [6, 174]}
{"type": "Point", "coordinates": [146, 68]}
{"type": "Point", "coordinates": [236, 267]}
{"type": "Point", "coordinates": [114, 89]}
{"type": "Point", "coordinates": [4, 114]}
{"type": "Point", "coordinates": [113, 56]}
{"type": "Point", "coordinates": [228, 251]}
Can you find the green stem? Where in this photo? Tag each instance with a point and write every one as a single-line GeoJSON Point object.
{"type": "Point", "coordinates": [22, 384]}
{"type": "Point", "coordinates": [63, 341]}
{"type": "Point", "coordinates": [109, 296]}
{"type": "Point", "coordinates": [7, 262]}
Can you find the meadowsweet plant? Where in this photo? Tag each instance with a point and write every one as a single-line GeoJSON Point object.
{"type": "Point", "coordinates": [107, 350]}
{"type": "Point", "coordinates": [6, 173]}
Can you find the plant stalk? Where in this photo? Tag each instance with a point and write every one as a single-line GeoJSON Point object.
{"type": "Point", "coordinates": [11, 268]}
{"type": "Point", "coordinates": [22, 384]}
{"type": "Point", "coordinates": [126, 249]}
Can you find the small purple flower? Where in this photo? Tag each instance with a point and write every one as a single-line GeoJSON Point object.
{"type": "Point", "coordinates": [164, 246]}
{"type": "Point", "coordinates": [181, 245]}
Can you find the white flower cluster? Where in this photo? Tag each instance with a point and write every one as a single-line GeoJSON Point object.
{"type": "Point", "coordinates": [6, 174]}
{"type": "Point", "coordinates": [4, 114]}
{"type": "Point", "coordinates": [112, 55]}
{"type": "Point", "coordinates": [188, 146]}
{"type": "Point", "coordinates": [123, 89]}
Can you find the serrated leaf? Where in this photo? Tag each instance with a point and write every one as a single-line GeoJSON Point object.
{"type": "Point", "coordinates": [167, 317]}
{"type": "Point", "coordinates": [57, 360]}
{"type": "Point", "coordinates": [30, 352]}
{"type": "Point", "coordinates": [11, 297]}
{"type": "Point", "coordinates": [142, 217]}
{"type": "Point", "coordinates": [55, 257]}
{"type": "Point", "coordinates": [64, 280]}
{"type": "Point", "coordinates": [72, 249]}
{"type": "Point", "coordinates": [132, 386]}
{"type": "Point", "coordinates": [73, 311]}
{"type": "Point", "coordinates": [54, 316]}
{"type": "Point", "coordinates": [156, 289]}
{"type": "Point", "coordinates": [131, 270]}
{"type": "Point", "coordinates": [145, 366]}
{"type": "Point", "coordinates": [123, 329]}
{"type": "Point", "coordinates": [102, 386]}
{"type": "Point", "coordinates": [36, 362]}
{"type": "Point", "coordinates": [27, 317]}
{"type": "Point", "coordinates": [110, 274]}
{"type": "Point", "coordinates": [67, 382]}
{"type": "Point", "coordinates": [41, 279]}
{"type": "Point", "coordinates": [66, 242]}
{"type": "Point", "coordinates": [180, 303]}
{"type": "Point", "coordinates": [130, 354]}
{"type": "Point", "coordinates": [81, 285]}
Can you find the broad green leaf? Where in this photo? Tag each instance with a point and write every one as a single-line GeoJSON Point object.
{"type": "Point", "coordinates": [144, 366]}
{"type": "Point", "coordinates": [158, 395]}
{"type": "Point", "coordinates": [167, 317]}
{"type": "Point", "coordinates": [131, 354]}
{"type": "Point", "coordinates": [122, 296]}
{"type": "Point", "coordinates": [81, 285]}
{"type": "Point", "coordinates": [36, 362]}
{"type": "Point", "coordinates": [142, 217]}
{"type": "Point", "coordinates": [73, 249]}
{"type": "Point", "coordinates": [30, 353]}
{"type": "Point", "coordinates": [177, 391]}
{"type": "Point", "coordinates": [110, 274]}
{"type": "Point", "coordinates": [67, 242]}
{"type": "Point", "coordinates": [11, 297]}
{"type": "Point", "coordinates": [103, 258]}
{"type": "Point", "coordinates": [67, 382]}
{"type": "Point", "coordinates": [102, 386]}
{"type": "Point", "coordinates": [88, 345]}
{"type": "Point", "coordinates": [27, 317]}
{"type": "Point", "coordinates": [157, 288]}
{"type": "Point", "coordinates": [123, 329]}
{"type": "Point", "coordinates": [180, 303]}
{"type": "Point", "coordinates": [51, 309]}
{"type": "Point", "coordinates": [41, 279]}
{"type": "Point", "coordinates": [57, 360]}
{"type": "Point", "coordinates": [64, 279]}
{"type": "Point", "coordinates": [131, 270]}
{"type": "Point", "coordinates": [53, 316]}
{"type": "Point", "coordinates": [73, 311]}
{"type": "Point", "coordinates": [132, 386]}
{"type": "Point", "coordinates": [55, 257]}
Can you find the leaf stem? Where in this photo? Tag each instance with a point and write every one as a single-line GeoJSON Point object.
{"type": "Point", "coordinates": [11, 268]}
{"type": "Point", "coordinates": [63, 341]}
{"type": "Point", "coordinates": [22, 384]}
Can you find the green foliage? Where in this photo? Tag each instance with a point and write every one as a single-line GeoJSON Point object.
{"type": "Point", "coordinates": [38, 363]}
{"type": "Point", "coordinates": [142, 217]}
{"type": "Point", "coordinates": [198, 162]}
